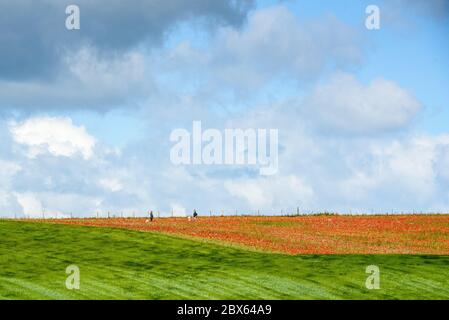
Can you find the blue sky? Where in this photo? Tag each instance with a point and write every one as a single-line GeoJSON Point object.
{"type": "Point", "coordinates": [86, 115]}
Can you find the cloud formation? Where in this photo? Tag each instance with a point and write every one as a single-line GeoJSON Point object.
{"type": "Point", "coordinates": [345, 144]}
{"type": "Point", "coordinates": [34, 38]}
{"type": "Point", "coordinates": [273, 43]}
{"type": "Point", "coordinates": [345, 104]}
{"type": "Point", "coordinates": [57, 136]}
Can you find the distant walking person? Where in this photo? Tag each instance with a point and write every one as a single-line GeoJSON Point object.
{"type": "Point", "coordinates": [195, 214]}
{"type": "Point", "coordinates": [151, 216]}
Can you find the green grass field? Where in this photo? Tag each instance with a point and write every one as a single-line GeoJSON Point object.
{"type": "Point", "coordinates": [123, 264]}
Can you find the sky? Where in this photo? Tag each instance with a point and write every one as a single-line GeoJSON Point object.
{"type": "Point", "coordinates": [86, 115]}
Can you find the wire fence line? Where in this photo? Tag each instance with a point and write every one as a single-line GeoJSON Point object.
{"type": "Point", "coordinates": [209, 213]}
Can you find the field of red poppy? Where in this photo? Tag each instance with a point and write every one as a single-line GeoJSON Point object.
{"type": "Point", "coordinates": [321, 234]}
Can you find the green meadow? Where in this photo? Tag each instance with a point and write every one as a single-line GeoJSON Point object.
{"type": "Point", "coordinates": [124, 264]}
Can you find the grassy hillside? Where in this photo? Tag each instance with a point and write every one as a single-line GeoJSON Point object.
{"type": "Point", "coordinates": [124, 264]}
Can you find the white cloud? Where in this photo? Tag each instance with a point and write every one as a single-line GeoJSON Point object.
{"type": "Point", "coordinates": [399, 171]}
{"type": "Point", "coordinates": [274, 44]}
{"type": "Point", "coordinates": [442, 162]}
{"type": "Point", "coordinates": [58, 136]}
{"type": "Point", "coordinates": [274, 192]}
{"type": "Point", "coordinates": [346, 104]}
{"type": "Point", "coordinates": [274, 36]}
{"type": "Point", "coordinates": [31, 206]}
{"type": "Point", "coordinates": [107, 78]}
{"type": "Point", "coordinates": [358, 186]}
{"type": "Point", "coordinates": [399, 174]}
{"type": "Point", "coordinates": [111, 184]}
{"type": "Point", "coordinates": [411, 164]}
{"type": "Point", "coordinates": [250, 191]}
{"type": "Point", "coordinates": [8, 169]}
